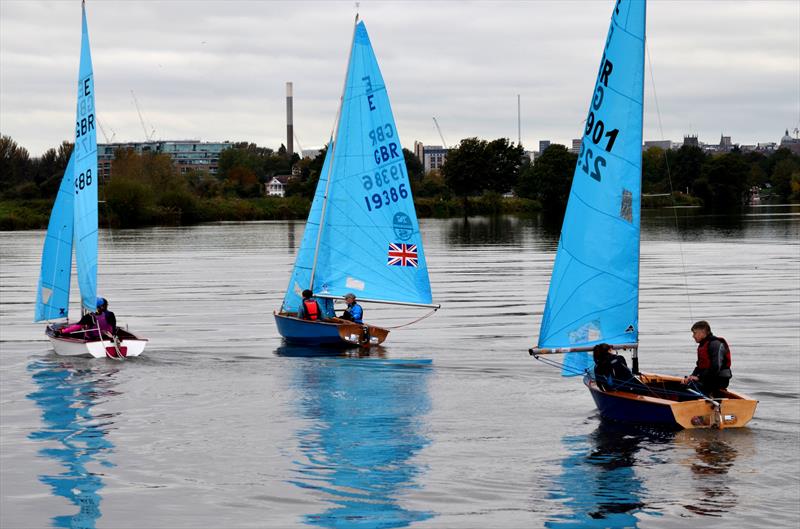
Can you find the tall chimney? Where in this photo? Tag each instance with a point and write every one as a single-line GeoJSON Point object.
{"type": "Point", "coordinates": [289, 121]}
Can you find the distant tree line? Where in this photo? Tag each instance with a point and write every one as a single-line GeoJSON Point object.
{"type": "Point", "coordinates": [715, 181]}
{"type": "Point", "coordinates": [478, 177]}
{"type": "Point", "coordinates": [147, 189]}
{"type": "Point", "coordinates": [722, 181]}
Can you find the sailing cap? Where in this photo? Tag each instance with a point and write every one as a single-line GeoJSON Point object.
{"type": "Point", "coordinates": [101, 302]}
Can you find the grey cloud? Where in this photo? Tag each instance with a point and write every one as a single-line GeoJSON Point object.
{"type": "Point", "coordinates": [216, 70]}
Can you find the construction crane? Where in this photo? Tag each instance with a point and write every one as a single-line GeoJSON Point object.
{"type": "Point", "coordinates": [147, 136]}
{"type": "Point", "coordinates": [444, 143]}
{"type": "Point", "coordinates": [103, 131]}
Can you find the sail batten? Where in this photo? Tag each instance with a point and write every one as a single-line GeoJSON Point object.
{"type": "Point", "coordinates": [594, 288]}
{"type": "Point", "coordinates": [362, 235]}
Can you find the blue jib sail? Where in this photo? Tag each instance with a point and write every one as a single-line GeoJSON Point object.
{"type": "Point", "coordinates": [594, 289]}
{"type": "Point", "coordinates": [85, 178]}
{"type": "Point", "coordinates": [52, 295]}
{"type": "Point", "coordinates": [370, 242]}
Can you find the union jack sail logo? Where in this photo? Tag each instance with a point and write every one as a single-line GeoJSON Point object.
{"type": "Point", "coordinates": [402, 255]}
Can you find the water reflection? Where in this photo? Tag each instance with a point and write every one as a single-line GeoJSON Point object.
{"type": "Point", "coordinates": [302, 351]}
{"type": "Point", "coordinates": [599, 486]}
{"type": "Point", "coordinates": [75, 437]}
{"type": "Point", "coordinates": [714, 457]}
{"type": "Point", "coordinates": [484, 230]}
{"type": "Point", "coordinates": [365, 425]}
{"type": "Point", "coordinates": [290, 236]}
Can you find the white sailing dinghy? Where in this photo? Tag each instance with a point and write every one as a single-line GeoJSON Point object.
{"type": "Point", "coordinates": [362, 234]}
{"type": "Point", "coordinates": [73, 225]}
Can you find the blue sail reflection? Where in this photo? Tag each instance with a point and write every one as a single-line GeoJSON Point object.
{"type": "Point", "coordinates": [367, 424]}
{"type": "Point", "coordinates": [76, 439]}
{"type": "Point", "coordinates": [598, 487]}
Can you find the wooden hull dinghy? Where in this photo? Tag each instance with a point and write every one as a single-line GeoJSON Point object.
{"type": "Point", "coordinates": [667, 404]}
{"type": "Point", "coordinates": [332, 331]}
{"type": "Point", "coordinates": [594, 287]}
{"type": "Point", "coordinates": [126, 344]}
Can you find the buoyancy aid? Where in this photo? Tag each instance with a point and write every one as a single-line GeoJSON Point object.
{"type": "Point", "coordinates": [704, 358]}
{"type": "Point", "coordinates": [312, 309]}
{"type": "Point", "coordinates": [103, 323]}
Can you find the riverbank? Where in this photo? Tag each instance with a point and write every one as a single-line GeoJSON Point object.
{"type": "Point", "coordinates": [35, 213]}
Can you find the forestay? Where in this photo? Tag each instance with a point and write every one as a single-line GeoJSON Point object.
{"type": "Point", "coordinates": [594, 289]}
{"type": "Point", "coordinates": [366, 238]}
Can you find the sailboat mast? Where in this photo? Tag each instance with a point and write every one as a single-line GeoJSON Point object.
{"type": "Point", "coordinates": [334, 143]}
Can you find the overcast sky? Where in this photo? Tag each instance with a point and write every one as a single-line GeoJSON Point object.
{"type": "Point", "coordinates": [216, 70]}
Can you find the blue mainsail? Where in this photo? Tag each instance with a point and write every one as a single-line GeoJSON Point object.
{"type": "Point", "coordinates": [85, 177]}
{"type": "Point", "coordinates": [52, 296]}
{"type": "Point", "coordinates": [362, 227]}
{"type": "Point", "coordinates": [594, 289]}
{"type": "Point", "coordinates": [73, 220]}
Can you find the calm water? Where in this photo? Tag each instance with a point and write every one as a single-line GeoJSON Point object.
{"type": "Point", "coordinates": [451, 424]}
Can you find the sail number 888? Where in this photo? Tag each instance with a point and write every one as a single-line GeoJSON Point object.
{"type": "Point", "coordinates": [83, 181]}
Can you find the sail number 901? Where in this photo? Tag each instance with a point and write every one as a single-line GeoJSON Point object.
{"type": "Point", "coordinates": [385, 197]}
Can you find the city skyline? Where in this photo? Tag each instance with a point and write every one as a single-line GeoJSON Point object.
{"type": "Point", "coordinates": [217, 72]}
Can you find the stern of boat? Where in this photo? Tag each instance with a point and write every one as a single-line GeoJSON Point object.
{"type": "Point", "coordinates": [128, 346]}
{"type": "Point", "coordinates": [362, 335]}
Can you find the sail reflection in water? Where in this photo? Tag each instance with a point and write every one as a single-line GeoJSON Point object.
{"type": "Point", "coordinates": [599, 486]}
{"type": "Point", "coordinates": [366, 425]}
{"type": "Point", "coordinates": [75, 438]}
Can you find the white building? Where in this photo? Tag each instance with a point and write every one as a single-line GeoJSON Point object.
{"type": "Point", "coordinates": [276, 187]}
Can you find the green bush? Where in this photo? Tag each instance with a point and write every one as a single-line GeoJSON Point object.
{"type": "Point", "coordinates": [130, 203]}
{"type": "Point", "coordinates": [182, 205]}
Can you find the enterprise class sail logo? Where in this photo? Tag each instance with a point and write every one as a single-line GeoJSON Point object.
{"type": "Point", "coordinates": [403, 227]}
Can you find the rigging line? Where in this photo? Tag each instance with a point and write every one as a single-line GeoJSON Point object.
{"type": "Point", "coordinates": [671, 190]}
{"type": "Point", "coordinates": [560, 365]}
{"type": "Point", "coordinates": [413, 322]}
{"type": "Point", "coordinates": [658, 393]}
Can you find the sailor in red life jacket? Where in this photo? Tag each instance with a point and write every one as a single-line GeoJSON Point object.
{"type": "Point", "coordinates": [103, 320]}
{"type": "Point", "coordinates": [309, 308]}
{"type": "Point", "coordinates": [713, 369]}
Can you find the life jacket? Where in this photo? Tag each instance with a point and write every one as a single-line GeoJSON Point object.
{"type": "Point", "coordinates": [704, 359]}
{"type": "Point", "coordinates": [356, 313]}
{"type": "Point", "coordinates": [98, 321]}
{"type": "Point", "coordinates": [312, 309]}
{"type": "Point", "coordinates": [103, 323]}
